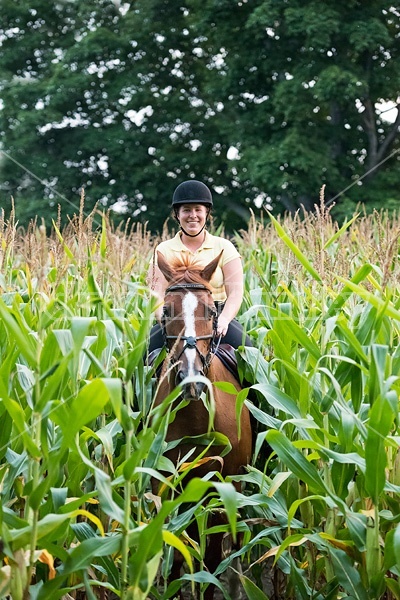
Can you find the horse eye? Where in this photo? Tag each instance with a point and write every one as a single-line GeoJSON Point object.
{"type": "Point", "coordinates": [166, 311]}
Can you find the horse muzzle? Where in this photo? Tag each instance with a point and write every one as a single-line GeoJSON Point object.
{"type": "Point", "coordinates": [191, 390]}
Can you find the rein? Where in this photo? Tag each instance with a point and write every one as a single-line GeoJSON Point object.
{"type": "Point", "coordinates": [191, 341]}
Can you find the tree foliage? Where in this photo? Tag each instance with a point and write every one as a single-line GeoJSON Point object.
{"type": "Point", "coordinates": [127, 100]}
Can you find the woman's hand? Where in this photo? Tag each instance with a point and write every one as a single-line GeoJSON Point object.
{"type": "Point", "coordinates": [223, 325]}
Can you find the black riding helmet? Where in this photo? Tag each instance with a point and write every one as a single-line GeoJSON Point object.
{"type": "Point", "coordinates": [192, 192]}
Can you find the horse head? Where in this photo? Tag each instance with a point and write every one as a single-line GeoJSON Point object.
{"type": "Point", "coordinates": [189, 321]}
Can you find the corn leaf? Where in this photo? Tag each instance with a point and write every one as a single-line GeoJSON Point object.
{"type": "Point", "coordinates": [296, 251]}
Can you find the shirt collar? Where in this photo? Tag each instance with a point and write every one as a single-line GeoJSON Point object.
{"type": "Point", "coordinates": [178, 246]}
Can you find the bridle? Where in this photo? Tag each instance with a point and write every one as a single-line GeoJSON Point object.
{"type": "Point", "coordinates": [191, 341]}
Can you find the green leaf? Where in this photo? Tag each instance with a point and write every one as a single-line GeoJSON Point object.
{"type": "Point", "coordinates": [79, 330]}
{"type": "Point", "coordinates": [203, 577]}
{"type": "Point", "coordinates": [372, 299]}
{"type": "Point", "coordinates": [379, 355]}
{"type": "Point", "coordinates": [287, 328]}
{"type": "Point", "coordinates": [263, 417]}
{"type": "Point", "coordinates": [396, 544]}
{"type": "Point", "coordinates": [26, 342]}
{"type": "Point", "coordinates": [240, 402]}
{"type": "Point", "coordinates": [172, 540]}
{"type": "Point", "coordinates": [149, 544]}
{"type": "Point", "coordinates": [105, 490]}
{"type": "Point", "coordinates": [346, 292]}
{"type": "Point", "coordinates": [348, 575]}
{"type": "Point", "coordinates": [106, 496]}
{"type": "Point", "coordinates": [379, 425]}
{"type": "Point", "coordinates": [81, 557]}
{"type": "Point", "coordinates": [225, 386]}
{"type": "Point", "coordinates": [338, 233]}
{"type": "Point", "coordinates": [103, 237]}
{"type": "Point", "coordinates": [19, 419]}
{"type": "Point", "coordinates": [50, 383]}
{"type": "Point", "coordinates": [352, 340]}
{"type": "Point", "coordinates": [72, 415]}
{"type": "Point", "coordinates": [392, 548]}
{"type": "Point", "coordinates": [296, 251]}
{"type": "Point", "coordinates": [84, 531]}
{"type": "Point", "coordinates": [145, 441]}
{"type": "Point", "coordinates": [229, 499]}
{"type": "Point", "coordinates": [278, 399]}
{"type": "Point", "coordinates": [297, 503]}
{"type": "Point", "coordinates": [252, 591]}
{"type": "Point", "coordinates": [5, 430]}
{"type": "Point", "coordinates": [295, 461]}
{"type": "Point", "coordinates": [357, 526]}
{"type": "Point", "coordinates": [251, 359]}
{"type": "Point", "coordinates": [60, 237]}
{"type": "Point", "coordinates": [47, 525]}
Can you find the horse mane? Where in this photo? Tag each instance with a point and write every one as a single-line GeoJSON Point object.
{"type": "Point", "coordinates": [187, 270]}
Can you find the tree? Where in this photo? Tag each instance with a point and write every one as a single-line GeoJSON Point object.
{"type": "Point", "coordinates": [114, 104]}
{"type": "Point", "coordinates": [128, 99]}
{"type": "Point", "coordinates": [304, 80]}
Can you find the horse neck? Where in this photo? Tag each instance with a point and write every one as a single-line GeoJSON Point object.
{"type": "Point", "coordinates": [218, 372]}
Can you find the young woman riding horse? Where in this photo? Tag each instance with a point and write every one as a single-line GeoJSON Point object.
{"type": "Point", "coordinates": [198, 279]}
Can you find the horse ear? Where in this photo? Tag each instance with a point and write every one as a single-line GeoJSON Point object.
{"type": "Point", "coordinates": [164, 267]}
{"type": "Point", "coordinates": [209, 269]}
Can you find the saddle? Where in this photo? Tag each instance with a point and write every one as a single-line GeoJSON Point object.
{"type": "Point", "coordinates": [225, 352]}
{"type": "Point", "coordinates": [227, 355]}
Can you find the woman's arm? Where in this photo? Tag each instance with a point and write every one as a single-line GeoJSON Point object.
{"type": "Point", "coordinates": [233, 281]}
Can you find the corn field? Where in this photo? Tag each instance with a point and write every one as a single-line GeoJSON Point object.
{"type": "Point", "coordinates": [318, 515]}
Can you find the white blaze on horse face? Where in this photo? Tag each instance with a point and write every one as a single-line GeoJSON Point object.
{"type": "Point", "coordinates": [189, 306]}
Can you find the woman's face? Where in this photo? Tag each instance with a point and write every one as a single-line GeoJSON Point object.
{"type": "Point", "coordinates": [192, 217]}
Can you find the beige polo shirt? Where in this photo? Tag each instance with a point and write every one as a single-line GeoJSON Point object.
{"type": "Point", "coordinates": [210, 248]}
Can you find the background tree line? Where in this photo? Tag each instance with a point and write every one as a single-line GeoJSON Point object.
{"type": "Point", "coordinates": [265, 101]}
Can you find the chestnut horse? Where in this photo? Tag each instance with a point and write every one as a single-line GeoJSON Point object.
{"type": "Point", "coordinates": [189, 326]}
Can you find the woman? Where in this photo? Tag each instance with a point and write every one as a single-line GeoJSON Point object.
{"type": "Point", "coordinates": [192, 202]}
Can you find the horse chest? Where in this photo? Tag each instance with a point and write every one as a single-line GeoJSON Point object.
{"type": "Point", "coordinates": [191, 420]}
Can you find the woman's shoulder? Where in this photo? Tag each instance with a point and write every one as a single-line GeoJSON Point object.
{"type": "Point", "coordinates": [171, 243]}
{"type": "Point", "coordinates": [219, 243]}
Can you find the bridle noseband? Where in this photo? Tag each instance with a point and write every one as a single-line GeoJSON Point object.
{"type": "Point", "coordinates": [191, 341]}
